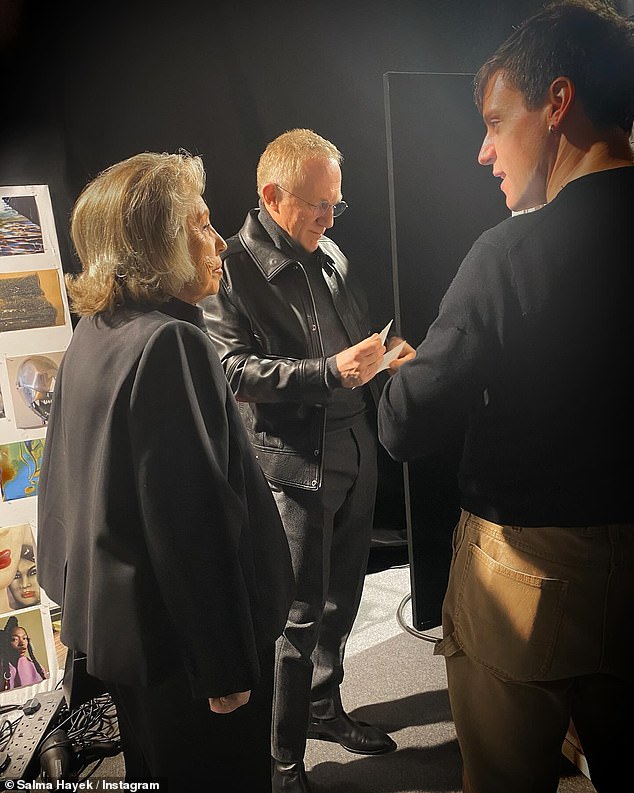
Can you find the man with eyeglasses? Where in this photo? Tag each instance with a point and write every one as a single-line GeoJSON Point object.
{"type": "Point", "coordinates": [292, 330]}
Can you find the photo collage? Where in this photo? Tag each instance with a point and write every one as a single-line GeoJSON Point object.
{"type": "Point", "coordinates": [35, 329]}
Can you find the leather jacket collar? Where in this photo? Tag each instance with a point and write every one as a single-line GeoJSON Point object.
{"type": "Point", "coordinates": [271, 260]}
{"type": "Point", "coordinates": [257, 242]}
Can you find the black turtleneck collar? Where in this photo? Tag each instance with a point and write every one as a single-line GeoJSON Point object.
{"type": "Point", "coordinates": [186, 311]}
{"type": "Point", "coordinates": [282, 240]}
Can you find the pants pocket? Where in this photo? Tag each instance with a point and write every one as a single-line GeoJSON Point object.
{"type": "Point", "coordinates": [506, 619]}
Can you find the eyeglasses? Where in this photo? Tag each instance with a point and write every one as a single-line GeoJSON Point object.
{"type": "Point", "coordinates": [323, 207]}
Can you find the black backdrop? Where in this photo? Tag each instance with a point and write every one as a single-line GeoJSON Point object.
{"type": "Point", "coordinates": [439, 204]}
{"type": "Point", "coordinates": [88, 84]}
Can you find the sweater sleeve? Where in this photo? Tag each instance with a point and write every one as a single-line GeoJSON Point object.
{"type": "Point", "coordinates": [430, 397]}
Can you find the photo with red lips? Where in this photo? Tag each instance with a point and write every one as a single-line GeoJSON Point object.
{"type": "Point", "coordinates": [24, 590]}
{"type": "Point", "coordinates": [11, 542]}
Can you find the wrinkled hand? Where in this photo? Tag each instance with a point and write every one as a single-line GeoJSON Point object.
{"type": "Point", "coordinates": [406, 354]}
{"type": "Point", "coordinates": [229, 703]}
{"type": "Point", "coordinates": [357, 365]}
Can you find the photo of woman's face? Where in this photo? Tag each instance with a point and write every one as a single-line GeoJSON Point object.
{"type": "Point", "coordinates": [25, 588]}
{"type": "Point", "coordinates": [19, 641]}
{"type": "Point", "coordinates": [10, 550]}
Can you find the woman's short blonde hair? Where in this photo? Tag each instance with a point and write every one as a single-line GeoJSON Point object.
{"type": "Point", "coordinates": [129, 229]}
{"type": "Point", "coordinates": [282, 161]}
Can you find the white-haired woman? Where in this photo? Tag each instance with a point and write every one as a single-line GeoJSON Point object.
{"type": "Point", "coordinates": [146, 463]}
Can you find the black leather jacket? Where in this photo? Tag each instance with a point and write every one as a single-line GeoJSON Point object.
{"type": "Point", "coordinates": [264, 325]}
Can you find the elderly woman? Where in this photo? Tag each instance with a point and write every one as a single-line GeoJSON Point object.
{"type": "Point", "coordinates": [147, 463]}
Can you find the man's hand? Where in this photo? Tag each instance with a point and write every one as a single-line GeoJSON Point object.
{"type": "Point", "coordinates": [357, 365]}
{"type": "Point", "coordinates": [229, 703]}
{"type": "Point", "coordinates": [406, 354]}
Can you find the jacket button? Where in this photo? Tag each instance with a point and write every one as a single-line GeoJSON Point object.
{"type": "Point", "coordinates": [314, 483]}
{"type": "Point", "coordinates": [314, 328]}
{"type": "Point", "coordinates": [316, 452]}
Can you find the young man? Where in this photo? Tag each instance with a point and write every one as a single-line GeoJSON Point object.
{"type": "Point", "coordinates": [532, 350]}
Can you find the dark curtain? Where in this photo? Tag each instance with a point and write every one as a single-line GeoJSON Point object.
{"type": "Point", "coordinates": [88, 84]}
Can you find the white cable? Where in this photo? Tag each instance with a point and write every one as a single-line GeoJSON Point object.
{"type": "Point", "coordinates": [408, 628]}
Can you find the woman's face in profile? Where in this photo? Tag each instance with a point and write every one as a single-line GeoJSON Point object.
{"type": "Point", "coordinates": [205, 246]}
{"type": "Point", "coordinates": [25, 587]}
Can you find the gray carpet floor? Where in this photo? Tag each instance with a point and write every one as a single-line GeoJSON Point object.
{"type": "Point", "coordinates": [393, 680]}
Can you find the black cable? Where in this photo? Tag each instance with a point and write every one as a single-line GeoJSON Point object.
{"type": "Point", "coordinates": [93, 734]}
{"type": "Point", "coordinates": [91, 771]}
{"type": "Point", "coordinates": [59, 722]}
{"type": "Point", "coordinates": [94, 722]}
{"type": "Point", "coordinates": [8, 727]}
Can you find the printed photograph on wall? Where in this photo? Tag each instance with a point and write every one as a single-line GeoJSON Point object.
{"type": "Point", "coordinates": [20, 225]}
{"type": "Point", "coordinates": [35, 329]}
{"type": "Point", "coordinates": [26, 659]}
{"type": "Point", "coordinates": [24, 587]}
{"type": "Point", "coordinates": [20, 468]}
{"type": "Point", "coordinates": [32, 380]}
{"type": "Point", "coordinates": [31, 299]}
{"type": "Point", "coordinates": [19, 587]}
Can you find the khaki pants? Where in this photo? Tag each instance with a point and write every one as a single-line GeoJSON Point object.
{"type": "Point", "coordinates": [536, 624]}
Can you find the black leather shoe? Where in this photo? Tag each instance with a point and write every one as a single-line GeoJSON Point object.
{"type": "Point", "coordinates": [289, 778]}
{"type": "Point", "coordinates": [355, 736]}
